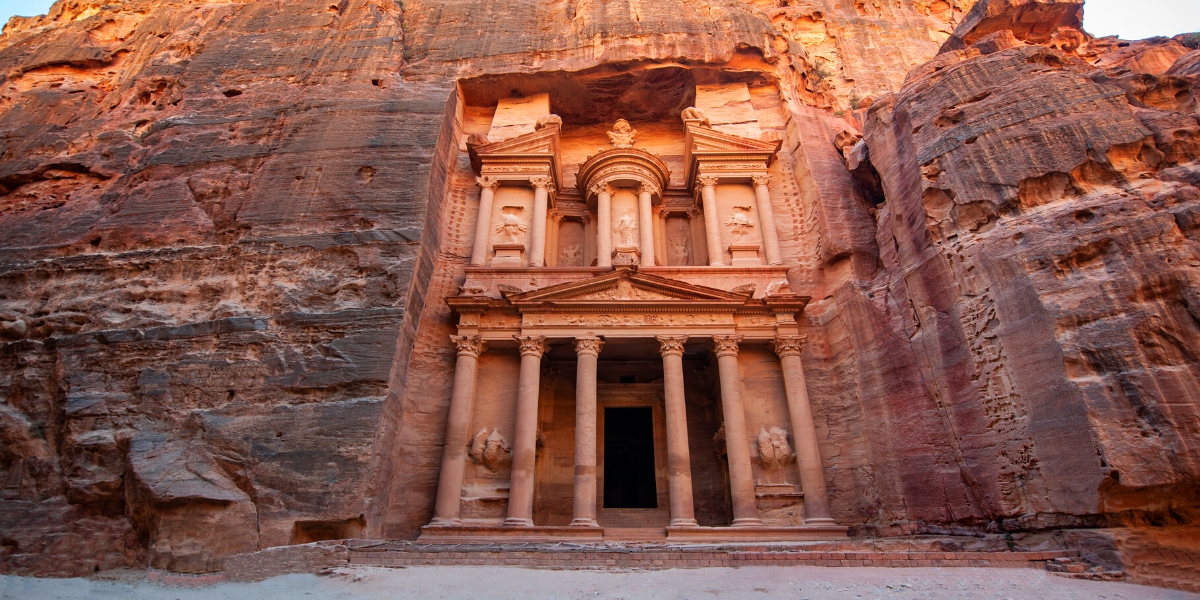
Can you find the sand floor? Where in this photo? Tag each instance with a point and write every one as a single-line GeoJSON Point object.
{"type": "Point", "coordinates": [480, 583]}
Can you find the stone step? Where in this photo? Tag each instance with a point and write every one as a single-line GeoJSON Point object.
{"type": "Point", "coordinates": [635, 534]}
{"type": "Point", "coordinates": [664, 556]}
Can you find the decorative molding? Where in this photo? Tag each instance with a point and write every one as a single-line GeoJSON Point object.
{"type": "Point", "coordinates": [469, 345]}
{"type": "Point", "coordinates": [726, 345]}
{"type": "Point", "coordinates": [789, 345]}
{"type": "Point", "coordinates": [671, 345]}
{"type": "Point", "coordinates": [489, 183]}
{"type": "Point", "coordinates": [588, 345]}
{"type": "Point", "coordinates": [531, 345]}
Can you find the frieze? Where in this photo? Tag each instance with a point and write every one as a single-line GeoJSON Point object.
{"type": "Point", "coordinates": [624, 320]}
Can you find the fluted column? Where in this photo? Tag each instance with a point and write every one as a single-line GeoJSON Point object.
{"type": "Point", "coordinates": [737, 447]}
{"type": "Point", "coordinates": [541, 203]}
{"type": "Point", "coordinates": [766, 214]}
{"type": "Point", "coordinates": [679, 460]}
{"type": "Point", "coordinates": [520, 490]}
{"type": "Point", "coordinates": [587, 349]}
{"type": "Point", "coordinates": [483, 224]}
{"type": "Point", "coordinates": [712, 224]}
{"type": "Point", "coordinates": [808, 455]}
{"type": "Point", "coordinates": [454, 453]}
{"type": "Point", "coordinates": [646, 223]}
{"type": "Point", "coordinates": [603, 224]}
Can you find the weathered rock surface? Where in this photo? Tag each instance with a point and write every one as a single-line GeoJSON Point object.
{"type": "Point", "coordinates": [228, 230]}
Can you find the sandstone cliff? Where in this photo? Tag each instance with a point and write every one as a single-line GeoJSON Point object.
{"type": "Point", "coordinates": [223, 258]}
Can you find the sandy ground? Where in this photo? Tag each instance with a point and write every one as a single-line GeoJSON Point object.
{"type": "Point", "coordinates": [479, 583]}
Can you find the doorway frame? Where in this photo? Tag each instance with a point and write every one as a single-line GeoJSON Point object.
{"type": "Point", "coordinates": [634, 395]}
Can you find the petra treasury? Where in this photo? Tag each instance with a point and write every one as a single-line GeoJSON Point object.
{"type": "Point", "coordinates": [292, 286]}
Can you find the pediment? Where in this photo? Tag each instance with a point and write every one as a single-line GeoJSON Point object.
{"type": "Point", "coordinates": [623, 287]}
{"type": "Point", "coordinates": [542, 141]}
{"type": "Point", "coordinates": [704, 140]}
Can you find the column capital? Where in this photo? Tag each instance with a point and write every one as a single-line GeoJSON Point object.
{"type": "Point", "coordinates": [469, 345]}
{"type": "Point", "coordinates": [649, 188]}
{"type": "Point", "coordinates": [788, 345]}
{"type": "Point", "coordinates": [726, 345]}
{"type": "Point", "coordinates": [601, 188]}
{"type": "Point", "coordinates": [588, 345]}
{"type": "Point", "coordinates": [541, 181]}
{"type": "Point", "coordinates": [671, 344]}
{"type": "Point", "coordinates": [531, 345]}
{"type": "Point", "coordinates": [761, 179]}
{"type": "Point", "coordinates": [707, 180]}
{"type": "Point", "coordinates": [487, 183]}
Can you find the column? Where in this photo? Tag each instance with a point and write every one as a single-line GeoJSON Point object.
{"type": "Point", "coordinates": [737, 446]}
{"type": "Point", "coordinates": [454, 453]}
{"type": "Point", "coordinates": [587, 349]}
{"type": "Point", "coordinates": [808, 455]}
{"type": "Point", "coordinates": [520, 489]}
{"type": "Point", "coordinates": [541, 203]}
{"type": "Point", "coordinates": [646, 224]}
{"type": "Point", "coordinates": [766, 214]}
{"type": "Point", "coordinates": [603, 224]}
{"type": "Point", "coordinates": [712, 224]}
{"type": "Point", "coordinates": [679, 460]}
{"type": "Point", "coordinates": [483, 225]}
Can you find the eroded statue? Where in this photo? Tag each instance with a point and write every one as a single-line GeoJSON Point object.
{"type": "Point", "coordinates": [490, 449]}
{"type": "Point", "coordinates": [773, 449]}
{"type": "Point", "coordinates": [625, 229]}
{"type": "Point", "coordinates": [511, 225]}
{"type": "Point", "coordinates": [622, 134]}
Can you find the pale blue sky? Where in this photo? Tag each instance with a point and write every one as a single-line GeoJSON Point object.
{"type": "Point", "coordinates": [1131, 19]}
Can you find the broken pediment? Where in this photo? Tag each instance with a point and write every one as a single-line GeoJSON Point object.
{"type": "Point", "coordinates": [540, 144]}
{"type": "Point", "coordinates": [724, 151]}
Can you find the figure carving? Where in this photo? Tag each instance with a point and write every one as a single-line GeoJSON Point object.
{"type": "Point", "coordinates": [490, 450]}
{"type": "Point", "coordinates": [692, 113]}
{"type": "Point", "coordinates": [740, 223]}
{"type": "Point", "coordinates": [679, 252]}
{"type": "Point", "coordinates": [773, 449]}
{"type": "Point", "coordinates": [622, 134]}
{"type": "Point", "coordinates": [545, 120]}
{"type": "Point", "coordinates": [779, 287]}
{"type": "Point", "coordinates": [511, 226]}
{"type": "Point", "coordinates": [472, 290]}
{"type": "Point", "coordinates": [625, 231]}
{"type": "Point", "coordinates": [571, 255]}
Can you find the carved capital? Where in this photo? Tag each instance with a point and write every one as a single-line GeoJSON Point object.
{"type": "Point", "coordinates": [649, 188]}
{"type": "Point", "coordinates": [601, 188]}
{"type": "Point", "coordinates": [531, 345]}
{"type": "Point", "coordinates": [588, 345]}
{"type": "Point", "coordinates": [487, 183]}
{"type": "Point", "coordinates": [671, 344]}
{"type": "Point", "coordinates": [707, 180]}
{"type": "Point", "coordinates": [789, 345]}
{"type": "Point", "coordinates": [541, 181]}
{"type": "Point", "coordinates": [762, 179]}
{"type": "Point", "coordinates": [726, 345]}
{"type": "Point", "coordinates": [469, 345]}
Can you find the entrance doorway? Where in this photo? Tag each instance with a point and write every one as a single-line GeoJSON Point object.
{"type": "Point", "coordinates": [629, 475]}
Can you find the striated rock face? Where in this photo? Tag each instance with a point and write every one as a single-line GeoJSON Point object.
{"type": "Point", "coordinates": [228, 227]}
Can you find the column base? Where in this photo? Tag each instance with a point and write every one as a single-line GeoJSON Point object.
{"type": "Point", "coordinates": [752, 522]}
{"type": "Point", "coordinates": [684, 523]}
{"type": "Point", "coordinates": [819, 521]}
{"type": "Point", "coordinates": [515, 522]}
{"type": "Point", "coordinates": [480, 533]}
{"type": "Point", "coordinates": [584, 523]}
{"type": "Point", "coordinates": [439, 522]}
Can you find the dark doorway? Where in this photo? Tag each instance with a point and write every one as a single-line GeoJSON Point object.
{"type": "Point", "coordinates": [629, 458]}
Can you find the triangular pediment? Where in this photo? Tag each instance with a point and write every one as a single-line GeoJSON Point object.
{"type": "Point", "coordinates": [542, 141]}
{"type": "Point", "coordinates": [702, 140]}
{"type": "Point", "coordinates": [624, 287]}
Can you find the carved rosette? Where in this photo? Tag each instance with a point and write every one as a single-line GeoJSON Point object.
{"type": "Point", "coordinates": [789, 345]}
{"type": "Point", "coordinates": [671, 345]}
{"type": "Point", "coordinates": [707, 180]}
{"type": "Point", "coordinates": [761, 180]}
{"type": "Point", "coordinates": [541, 181]}
{"type": "Point", "coordinates": [590, 346]}
{"type": "Point", "coordinates": [468, 345]}
{"type": "Point", "coordinates": [487, 183]}
{"type": "Point", "coordinates": [726, 345]}
{"type": "Point", "coordinates": [531, 345]}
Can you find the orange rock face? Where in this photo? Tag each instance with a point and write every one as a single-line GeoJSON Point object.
{"type": "Point", "coordinates": [228, 228]}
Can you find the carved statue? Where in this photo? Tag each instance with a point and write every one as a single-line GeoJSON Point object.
{"type": "Point", "coordinates": [779, 287]}
{"type": "Point", "coordinates": [773, 449]}
{"type": "Point", "coordinates": [490, 449]}
{"type": "Point", "coordinates": [622, 134]}
{"type": "Point", "coordinates": [625, 228]}
{"type": "Point", "coordinates": [545, 120]}
{"type": "Point", "coordinates": [740, 223]}
{"type": "Point", "coordinates": [511, 226]}
{"type": "Point", "coordinates": [679, 252]}
{"type": "Point", "coordinates": [571, 255]}
{"type": "Point", "coordinates": [692, 113]}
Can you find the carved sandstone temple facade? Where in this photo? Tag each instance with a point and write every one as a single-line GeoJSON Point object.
{"type": "Point", "coordinates": [629, 356]}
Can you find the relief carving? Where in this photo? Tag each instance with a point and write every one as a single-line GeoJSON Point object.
{"type": "Point", "coordinates": [625, 228]}
{"type": "Point", "coordinates": [779, 287]}
{"type": "Point", "coordinates": [571, 255]}
{"type": "Point", "coordinates": [773, 449]}
{"type": "Point", "coordinates": [740, 224]}
{"type": "Point", "coordinates": [490, 449]}
{"type": "Point", "coordinates": [692, 113]}
{"type": "Point", "coordinates": [679, 253]}
{"type": "Point", "coordinates": [511, 225]}
{"type": "Point", "coordinates": [622, 134]}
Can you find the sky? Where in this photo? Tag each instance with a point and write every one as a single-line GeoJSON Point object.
{"type": "Point", "coordinates": [1130, 19]}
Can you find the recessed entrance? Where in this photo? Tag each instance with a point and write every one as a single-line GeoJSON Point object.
{"type": "Point", "coordinates": [629, 479]}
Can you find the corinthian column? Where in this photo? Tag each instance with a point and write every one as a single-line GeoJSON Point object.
{"type": "Point", "coordinates": [679, 460]}
{"type": "Point", "coordinates": [737, 447]}
{"type": "Point", "coordinates": [712, 224]}
{"type": "Point", "coordinates": [766, 214]}
{"type": "Point", "coordinates": [541, 202]}
{"type": "Point", "coordinates": [646, 223]}
{"type": "Point", "coordinates": [520, 489]}
{"type": "Point", "coordinates": [483, 224]}
{"type": "Point", "coordinates": [587, 349]}
{"type": "Point", "coordinates": [808, 455]}
{"type": "Point", "coordinates": [454, 453]}
{"type": "Point", "coordinates": [603, 224]}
